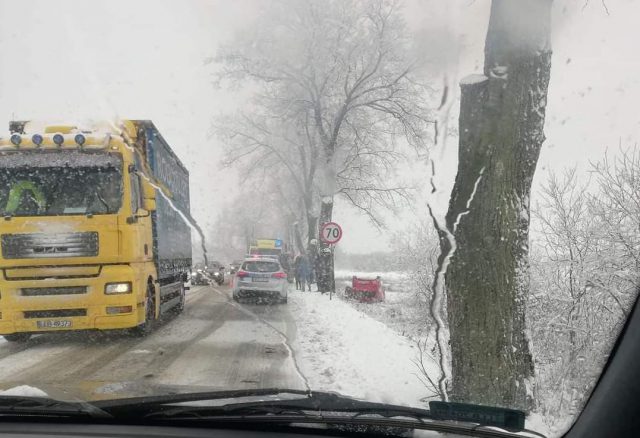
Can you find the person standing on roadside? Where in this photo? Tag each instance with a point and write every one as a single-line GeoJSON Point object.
{"type": "Point", "coordinates": [297, 271]}
{"type": "Point", "coordinates": [305, 272]}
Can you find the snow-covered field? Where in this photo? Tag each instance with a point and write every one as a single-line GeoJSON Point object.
{"type": "Point", "coordinates": [340, 348]}
{"type": "Point", "coordinates": [394, 280]}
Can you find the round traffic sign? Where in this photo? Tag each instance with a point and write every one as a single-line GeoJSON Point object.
{"type": "Point", "coordinates": [331, 233]}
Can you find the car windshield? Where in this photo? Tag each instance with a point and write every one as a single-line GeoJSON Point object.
{"type": "Point", "coordinates": [266, 251]}
{"type": "Point", "coordinates": [424, 201]}
{"type": "Point", "coordinates": [42, 188]}
{"type": "Point", "coordinates": [260, 267]}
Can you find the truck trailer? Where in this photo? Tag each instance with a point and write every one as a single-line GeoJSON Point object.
{"type": "Point", "coordinates": [93, 234]}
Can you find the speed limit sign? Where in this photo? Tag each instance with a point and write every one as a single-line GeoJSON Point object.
{"type": "Point", "coordinates": [330, 233]}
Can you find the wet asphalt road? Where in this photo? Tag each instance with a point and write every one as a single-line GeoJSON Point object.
{"type": "Point", "coordinates": [214, 344]}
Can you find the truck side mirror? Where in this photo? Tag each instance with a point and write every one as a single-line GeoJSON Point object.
{"type": "Point", "coordinates": [148, 190]}
{"type": "Point", "coordinates": [149, 204]}
{"type": "Point", "coordinates": [148, 196]}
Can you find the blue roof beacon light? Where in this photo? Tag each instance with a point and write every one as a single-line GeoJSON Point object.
{"type": "Point", "coordinates": [16, 139]}
{"type": "Point", "coordinates": [58, 139]}
{"type": "Point", "coordinates": [37, 139]}
{"type": "Point", "coordinates": [80, 139]}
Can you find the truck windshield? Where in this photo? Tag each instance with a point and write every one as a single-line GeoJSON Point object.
{"type": "Point", "coordinates": [92, 187]}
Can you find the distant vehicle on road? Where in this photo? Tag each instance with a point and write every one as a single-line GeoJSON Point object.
{"type": "Point", "coordinates": [266, 247]}
{"type": "Point", "coordinates": [216, 272]}
{"type": "Point", "coordinates": [218, 276]}
{"type": "Point", "coordinates": [267, 256]}
{"type": "Point", "coordinates": [261, 279]}
{"type": "Point", "coordinates": [235, 265]}
{"type": "Point", "coordinates": [200, 278]}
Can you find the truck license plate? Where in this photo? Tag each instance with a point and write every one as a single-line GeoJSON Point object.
{"type": "Point", "coordinates": [61, 323]}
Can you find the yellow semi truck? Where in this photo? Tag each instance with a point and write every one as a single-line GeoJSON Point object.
{"type": "Point", "coordinates": [92, 233]}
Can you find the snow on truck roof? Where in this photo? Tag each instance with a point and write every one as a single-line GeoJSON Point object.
{"type": "Point", "coordinates": [48, 135]}
{"type": "Point", "coordinates": [67, 127]}
{"type": "Point", "coordinates": [95, 131]}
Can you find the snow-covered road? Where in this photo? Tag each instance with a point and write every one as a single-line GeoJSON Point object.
{"type": "Point", "coordinates": [216, 343]}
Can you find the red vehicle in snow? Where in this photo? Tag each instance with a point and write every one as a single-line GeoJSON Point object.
{"type": "Point", "coordinates": [365, 290]}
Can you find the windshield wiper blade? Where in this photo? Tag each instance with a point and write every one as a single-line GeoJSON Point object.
{"type": "Point", "coordinates": [308, 401]}
{"type": "Point", "coordinates": [118, 405]}
{"type": "Point", "coordinates": [17, 404]}
{"type": "Point", "coordinates": [281, 407]}
{"type": "Point", "coordinates": [313, 402]}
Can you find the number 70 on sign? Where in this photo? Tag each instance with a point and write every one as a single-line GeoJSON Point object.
{"type": "Point", "coordinates": [331, 233]}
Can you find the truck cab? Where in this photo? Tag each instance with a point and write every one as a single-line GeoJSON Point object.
{"type": "Point", "coordinates": [79, 240]}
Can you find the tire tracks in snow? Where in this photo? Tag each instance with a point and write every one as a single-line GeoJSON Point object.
{"type": "Point", "coordinates": [285, 339]}
{"type": "Point", "coordinates": [81, 355]}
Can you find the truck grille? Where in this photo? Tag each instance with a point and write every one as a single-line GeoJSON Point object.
{"type": "Point", "coordinates": [49, 245]}
{"type": "Point", "coordinates": [48, 291]}
{"type": "Point", "coordinates": [61, 313]}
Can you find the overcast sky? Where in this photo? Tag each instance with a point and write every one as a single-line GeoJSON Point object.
{"type": "Point", "coordinates": [145, 59]}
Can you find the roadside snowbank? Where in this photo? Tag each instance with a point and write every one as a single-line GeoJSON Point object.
{"type": "Point", "coordinates": [341, 349]}
{"type": "Point", "coordinates": [24, 390]}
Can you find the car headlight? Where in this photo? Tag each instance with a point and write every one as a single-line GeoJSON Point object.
{"type": "Point", "coordinates": [117, 288]}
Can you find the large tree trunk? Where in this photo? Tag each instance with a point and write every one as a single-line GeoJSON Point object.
{"type": "Point", "coordinates": [312, 227]}
{"type": "Point", "coordinates": [298, 238]}
{"type": "Point", "coordinates": [324, 265]}
{"type": "Point", "coordinates": [501, 133]}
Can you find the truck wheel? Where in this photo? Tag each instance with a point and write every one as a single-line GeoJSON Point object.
{"type": "Point", "coordinates": [18, 337]}
{"type": "Point", "coordinates": [149, 313]}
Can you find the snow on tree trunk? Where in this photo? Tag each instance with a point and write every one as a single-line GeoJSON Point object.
{"type": "Point", "coordinates": [298, 237]}
{"type": "Point", "coordinates": [329, 183]}
{"type": "Point", "coordinates": [501, 133]}
{"type": "Point", "coordinates": [325, 270]}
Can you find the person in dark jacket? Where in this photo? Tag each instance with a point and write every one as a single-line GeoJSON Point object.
{"type": "Point", "coordinates": [297, 270]}
{"type": "Point", "coordinates": [305, 272]}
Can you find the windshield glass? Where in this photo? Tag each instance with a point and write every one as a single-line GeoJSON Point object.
{"type": "Point", "coordinates": [424, 200]}
{"type": "Point", "coordinates": [260, 267]}
{"type": "Point", "coordinates": [266, 251]}
{"type": "Point", "coordinates": [54, 191]}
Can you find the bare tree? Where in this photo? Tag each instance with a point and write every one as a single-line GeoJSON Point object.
{"type": "Point", "coordinates": [561, 299]}
{"type": "Point", "coordinates": [346, 66]}
{"type": "Point", "coordinates": [584, 276]}
{"type": "Point", "coordinates": [417, 252]}
{"type": "Point", "coordinates": [269, 215]}
{"type": "Point", "coordinates": [281, 157]}
{"type": "Point", "coordinates": [617, 208]}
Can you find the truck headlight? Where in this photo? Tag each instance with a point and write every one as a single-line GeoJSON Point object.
{"type": "Point", "coordinates": [117, 288]}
